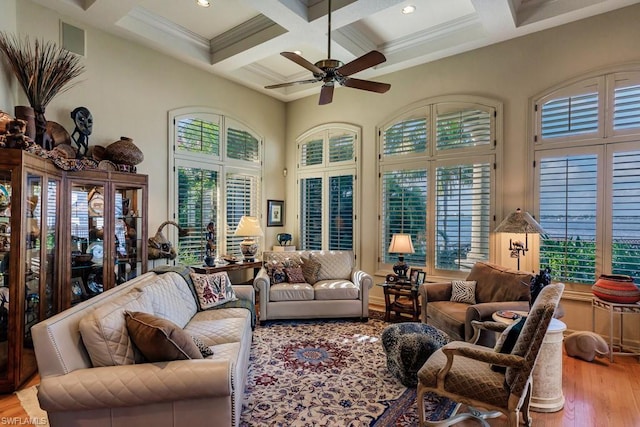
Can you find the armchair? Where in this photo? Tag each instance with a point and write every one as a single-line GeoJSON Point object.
{"type": "Point", "coordinates": [497, 288]}
{"type": "Point", "coordinates": [470, 380]}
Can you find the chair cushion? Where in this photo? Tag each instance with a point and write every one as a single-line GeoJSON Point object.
{"type": "Point", "coordinates": [496, 283]}
{"type": "Point", "coordinates": [335, 289]}
{"type": "Point", "coordinates": [449, 317]}
{"type": "Point", "coordinates": [291, 292]}
{"type": "Point", "coordinates": [158, 339]}
{"type": "Point", "coordinates": [507, 340]}
{"type": "Point", "coordinates": [463, 291]}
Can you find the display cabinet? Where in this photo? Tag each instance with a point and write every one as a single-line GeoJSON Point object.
{"type": "Point", "coordinates": [30, 189]}
{"type": "Point", "coordinates": [106, 231]}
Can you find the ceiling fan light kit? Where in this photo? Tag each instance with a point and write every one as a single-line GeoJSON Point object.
{"type": "Point", "coordinates": [331, 71]}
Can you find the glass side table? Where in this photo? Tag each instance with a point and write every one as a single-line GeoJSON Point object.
{"type": "Point", "coordinates": [401, 298]}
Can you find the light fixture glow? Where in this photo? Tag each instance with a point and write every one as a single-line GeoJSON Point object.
{"type": "Point", "coordinates": [408, 9]}
{"type": "Point", "coordinates": [203, 3]}
{"type": "Point", "coordinates": [298, 52]}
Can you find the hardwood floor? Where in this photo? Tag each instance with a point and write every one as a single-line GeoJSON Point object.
{"type": "Point", "coordinates": [597, 394]}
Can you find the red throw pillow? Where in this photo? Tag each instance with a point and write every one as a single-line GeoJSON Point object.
{"type": "Point", "coordinates": [294, 275]}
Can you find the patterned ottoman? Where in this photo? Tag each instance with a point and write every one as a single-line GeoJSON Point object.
{"type": "Point", "coordinates": [408, 346]}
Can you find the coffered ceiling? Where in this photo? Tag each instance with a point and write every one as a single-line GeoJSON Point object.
{"type": "Point", "coordinates": [241, 39]}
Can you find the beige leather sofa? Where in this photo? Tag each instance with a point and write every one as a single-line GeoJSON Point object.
{"type": "Point", "coordinates": [497, 288]}
{"type": "Point", "coordinates": [338, 290]}
{"type": "Point", "coordinates": [76, 392]}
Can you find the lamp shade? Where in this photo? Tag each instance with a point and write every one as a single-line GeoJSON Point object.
{"type": "Point", "coordinates": [519, 222]}
{"type": "Point", "coordinates": [248, 226]}
{"type": "Point", "coordinates": [401, 244]}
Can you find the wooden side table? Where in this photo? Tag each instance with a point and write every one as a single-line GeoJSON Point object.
{"type": "Point", "coordinates": [405, 300]}
{"type": "Point", "coordinates": [621, 310]}
{"type": "Point", "coordinates": [256, 265]}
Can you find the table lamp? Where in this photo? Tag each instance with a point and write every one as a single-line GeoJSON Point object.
{"type": "Point", "coordinates": [401, 244]}
{"type": "Point", "coordinates": [249, 228]}
{"type": "Point", "coordinates": [519, 222]}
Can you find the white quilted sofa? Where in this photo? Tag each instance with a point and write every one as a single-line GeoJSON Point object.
{"type": "Point", "coordinates": [81, 386]}
{"type": "Point", "coordinates": [337, 290]}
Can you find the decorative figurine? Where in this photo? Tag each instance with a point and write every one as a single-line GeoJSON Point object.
{"type": "Point", "coordinates": [84, 126]}
{"type": "Point", "coordinates": [284, 238]}
{"type": "Point", "coordinates": [209, 258]}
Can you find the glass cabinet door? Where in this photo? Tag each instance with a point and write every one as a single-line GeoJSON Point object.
{"type": "Point", "coordinates": [5, 246]}
{"type": "Point", "coordinates": [128, 233]}
{"type": "Point", "coordinates": [87, 241]}
{"type": "Point", "coordinates": [50, 302]}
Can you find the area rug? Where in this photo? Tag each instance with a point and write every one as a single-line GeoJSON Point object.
{"type": "Point", "coordinates": [29, 402]}
{"type": "Point", "coordinates": [328, 373]}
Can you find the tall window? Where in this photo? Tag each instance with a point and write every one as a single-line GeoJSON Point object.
{"type": "Point", "coordinates": [327, 190]}
{"type": "Point", "coordinates": [437, 182]}
{"type": "Point", "coordinates": [587, 159]}
{"type": "Point", "coordinates": [217, 176]}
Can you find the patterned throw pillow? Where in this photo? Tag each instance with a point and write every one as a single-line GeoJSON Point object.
{"type": "Point", "coordinates": [310, 270]}
{"type": "Point", "coordinates": [204, 349]}
{"type": "Point", "coordinates": [159, 339]}
{"type": "Point", "coordinates": [275, 271]}
{"type": "Point", "coordinates": [294, 275]}
{"type": "Point", "coordinates": [212, 289]}
{"type": "Point", "coordinates": [463, 291]}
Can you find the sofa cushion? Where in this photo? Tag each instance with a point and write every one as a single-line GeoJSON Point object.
{"type": "Point", "coordinates": [104, 331]}
{"type": "Point", "coordinates": [496, 283]}
{"type": "Point", "coordinates": [334, 264]}
{"type": "Point", "coordinates": [463, 291]}
{"type": "Point", "coordinates": [335, 289]}
{"type": "Point", "coordinates": [310, 269]}
{"type": "Point", "coordinates": [171, 298]}
{"type": "Point", "coordinates": [159, 339]}
{"type": "Point", "coordinates": [220, 331]}
{"type": "Point", "coordinates": [213, 289]}
{"type": "Point", "coordinates": [291, 292]}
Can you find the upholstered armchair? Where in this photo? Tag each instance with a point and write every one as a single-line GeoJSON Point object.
{"type": "Point", "coordinates": [463, 371]}
{"type": "Point", "coordinates": [496, 288]}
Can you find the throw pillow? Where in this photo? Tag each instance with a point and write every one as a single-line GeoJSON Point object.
{"type": "Point", "coordinates": [275, 271]}
{"type": "Point", "coordinates": [205, 350]}
{"type": "Point", "coordinates": [159, 340]}
{"type": "Point", "coordinates": [294, 275]}
{"type": "Point", "coordinates": [507, 340]}
{"type": "Point", "coordinates": [310, 270]}
{"type": "Point", "coordinates": [213, 289]}
{"type": "Point", "coordinates": [463, 291]}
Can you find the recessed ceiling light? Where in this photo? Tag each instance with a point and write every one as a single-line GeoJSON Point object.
{"type": "Point", "coordinates": [203, 3]}
{"type": "Point", "coordinates": [408, 9]}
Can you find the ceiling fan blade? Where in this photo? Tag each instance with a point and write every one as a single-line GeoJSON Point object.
{"type": "Point", "coordinates": [302, 62]}
{"type": "Point", "coordinates": [367, 85]}
{"type": "Point", "coordinates": [326, 94]}
{"type": "Point", "coordinates": [299, 82]}
{"type": "Point", "coordinates": [367, 60]}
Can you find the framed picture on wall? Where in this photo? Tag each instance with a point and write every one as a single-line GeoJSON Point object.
{"type": "Point", "coordinates": [275, 213]}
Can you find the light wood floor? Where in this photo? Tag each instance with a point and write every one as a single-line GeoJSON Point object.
{"type": "Point", "coordinates": [597, 394]}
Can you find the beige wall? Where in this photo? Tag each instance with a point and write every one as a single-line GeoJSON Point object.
{"type": "Point", "coordinates": [130, 90]}
{"type": "Point", "coordinates": [8, 88]}
{"type": "Point", "coordinates": [511, 72]}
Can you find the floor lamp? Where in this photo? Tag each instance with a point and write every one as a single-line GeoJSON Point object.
{"type": "Point", "coordinates": [519, 222]}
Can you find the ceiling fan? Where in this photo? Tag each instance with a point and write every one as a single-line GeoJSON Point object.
{"type": "Point", "coordinates": [331, 71]}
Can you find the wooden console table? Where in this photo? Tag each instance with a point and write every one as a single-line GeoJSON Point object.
{"type": "Point", "coordinates": [203, 269]}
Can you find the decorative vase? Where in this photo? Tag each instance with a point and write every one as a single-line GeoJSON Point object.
{"type": "Point", "coordinates": [124, 152]}
{"type": "Point", "coordinates": [28, 114]}
{"type": "Point", "coordinates": [616, 288]}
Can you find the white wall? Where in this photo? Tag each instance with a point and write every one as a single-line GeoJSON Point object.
{"type": "Point", "coordinates": [129, 90]}
{"type": "Point", "coordinates": [7, 84]}
{"type": "Point", "coordinates": [512, 72]}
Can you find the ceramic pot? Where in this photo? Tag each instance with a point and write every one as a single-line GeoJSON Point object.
{"type": "Point", "coordinates": [124, 152]}
{"type": "Point", "coordinates": [616, 288]}
{"type": "Point", "coordinates": [28, 114]}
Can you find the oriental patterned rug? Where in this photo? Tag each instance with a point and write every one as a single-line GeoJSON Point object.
{"type": "Point", "coordinates": [328, 373]}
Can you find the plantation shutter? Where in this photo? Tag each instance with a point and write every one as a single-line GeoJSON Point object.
{"type": "Point", "coordinates": [459, 126]}
{"type": "Point", "coordinates": [241, 144]}
{"type": "Point", "coordinates": [311, 213]}
{"type": "Point", "coordinates": [198, 134]}
{"type": "Point", "coordinates": [571, 115]}
{"type": "Point", "coordinates": [311, 152]}
{"type": "Point", "coordinates": [625, 218]}
{"type": "Point", "coordinates": [406, 137]}
{"type": "Point", "coordinates": [197, 206]}
{"type": "Point", "coordinates": [341, 146]}
{"type": "Point", "coordinates": [341, 212]}
{"type": "Point", "coordinates": [241, 199]}
{"type": "Point", "coordinates": [626, 107]}
{"type": "Point", "coordinates": [404, 210]}
{"type": "Point", "coordinates": [463, 214]}
{"type": "Point", "coordinates": [568, 207]}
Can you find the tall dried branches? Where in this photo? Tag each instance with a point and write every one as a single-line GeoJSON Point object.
{"type": "Point", "coordinates": [42, 69]}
